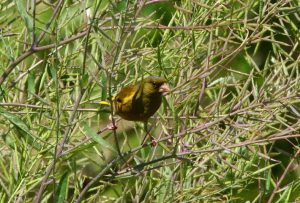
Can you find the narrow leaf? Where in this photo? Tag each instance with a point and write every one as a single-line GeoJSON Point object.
{"type": "Point", "coordinates": [30, 84]}
{"type": "Point", "coordinates": [24, 15]}
{"type": "Point", "coordinates": [21, 127]}
{"type": "Point", "coordinates": [61, 193]}
{"type": "Point", "coordinates": [97, 138]}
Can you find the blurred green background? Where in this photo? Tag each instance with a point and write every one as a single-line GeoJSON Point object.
{"type": "Point", "coordinates": [227, 132]}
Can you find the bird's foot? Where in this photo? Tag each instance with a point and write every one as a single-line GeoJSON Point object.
{"type": "Point", "coordinates": [111, 126]}
{"type": "Point", "coordinates": [153, 142]}
{"type": "Point", "coordinates": [152, 139]}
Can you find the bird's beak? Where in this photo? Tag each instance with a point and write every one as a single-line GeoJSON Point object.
{"type": "Point", "coordinates": [164, 88]}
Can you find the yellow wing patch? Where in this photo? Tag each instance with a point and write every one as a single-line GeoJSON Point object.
{"type": "Point", "coordinates": [127, 98]}
{"type": "Point", "coordinates": [104, 103]}
{"type": "Point", "coordinates": [126, 94]}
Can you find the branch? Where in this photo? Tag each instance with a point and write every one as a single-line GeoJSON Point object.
{"type": "Point", "coordinates": [32, 50]}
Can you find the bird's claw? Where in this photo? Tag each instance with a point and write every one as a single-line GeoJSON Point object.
{"type": "Point", "coordinates": [153, 142]}
{"type": "Point", "coordinates": [111, 126]}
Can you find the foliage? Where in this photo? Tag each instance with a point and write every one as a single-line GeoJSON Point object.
{"type": "Point", "coordinates": [228, 131]}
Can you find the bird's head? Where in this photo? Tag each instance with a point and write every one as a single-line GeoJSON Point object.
{"type": "Point", "coordinates": [155, 85]}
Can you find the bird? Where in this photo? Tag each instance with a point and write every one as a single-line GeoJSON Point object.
{"type": "Point", "coordinates": [140, 101]}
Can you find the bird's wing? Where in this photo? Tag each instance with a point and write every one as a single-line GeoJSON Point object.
{"type": "Point", "coordinates": [128, 93]}
{"type": "Point", "coordinates": [139, 91]}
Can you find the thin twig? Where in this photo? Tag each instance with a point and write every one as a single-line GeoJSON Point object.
{"type": "Point", "coordinates": [286, 170]}
{"type": "Point", "coordinates": [96, 178]}
{"type": "Point", "coordinates": [44, 108]}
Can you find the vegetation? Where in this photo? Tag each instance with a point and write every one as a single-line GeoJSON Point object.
{"type": "Point", "coordinates": [227, 132]}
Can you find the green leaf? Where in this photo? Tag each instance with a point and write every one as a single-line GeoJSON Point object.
{"type": "Point", "coordinates": [8, 140]}
{"type": "Point", "coordinates": [269, 180]}
{"type": "Point", "coordinates": [84, 81]}
{"type": "Point", "coordinates": [104, 87]}
{"type": "Point", "coordinates": [21, 127]}
{"type": "Point", "coordinates": [24, 15]}
{"type": "Point", "coordinates": [53, 73]}
{"type": "Point", "coordinates": [30, 84]}
{"type": "Point", "coordinates": [264, 169]}
{"type": "Point", "coordinates": [61, 193]}
{"type": "Point", "coordinates": [97, 138]}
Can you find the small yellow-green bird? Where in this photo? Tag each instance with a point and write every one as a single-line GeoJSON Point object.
{"type": "Point", "coordinates": [140, 101]}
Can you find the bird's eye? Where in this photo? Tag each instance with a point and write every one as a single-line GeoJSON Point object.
{"type": "Point", "coordinates": [155, 85]}
{"type": "Point", "coordinates": [119, 100]}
